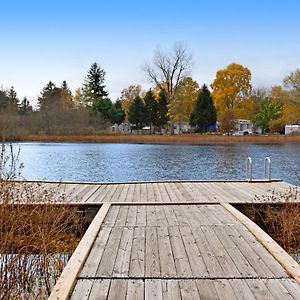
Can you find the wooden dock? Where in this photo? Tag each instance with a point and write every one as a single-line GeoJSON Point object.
{"type": "Point", "coordinates": [176, 240]}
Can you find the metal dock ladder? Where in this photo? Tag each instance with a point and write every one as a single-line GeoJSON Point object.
{"type": "Point", "coordinates": [267, 169]}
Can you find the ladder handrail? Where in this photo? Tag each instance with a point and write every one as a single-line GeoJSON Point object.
{"type": "Point", "coordinates": [267, 160]}
{"type": "Point", "coordinates": [249, 168]}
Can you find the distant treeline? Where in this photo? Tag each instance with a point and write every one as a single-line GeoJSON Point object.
{"type": "Point", "coordinates": [174, 98]}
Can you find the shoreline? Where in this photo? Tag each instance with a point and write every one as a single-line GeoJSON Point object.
{"type": "Point", "coordinates": [184, 139]}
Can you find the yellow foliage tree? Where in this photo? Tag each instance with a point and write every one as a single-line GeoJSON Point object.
{"type": "Point", "coordinates": [290, 111]}
{"type": "Point", "coordinates": [232, 90]}
{"type": "Point", "coordinates": [182, 103]}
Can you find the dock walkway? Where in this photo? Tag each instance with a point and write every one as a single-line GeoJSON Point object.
{"type": "Point", "coordinates": [176, 240]}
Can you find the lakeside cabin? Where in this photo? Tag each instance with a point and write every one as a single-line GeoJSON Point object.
{"type": "Point", "coordinates": [292, 129]}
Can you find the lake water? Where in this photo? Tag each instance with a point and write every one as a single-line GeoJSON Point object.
{"type": "Point", "coordinates": [135, 162]}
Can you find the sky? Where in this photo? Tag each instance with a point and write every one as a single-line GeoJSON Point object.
{"type": "Point", "coordinates": [59, 40]}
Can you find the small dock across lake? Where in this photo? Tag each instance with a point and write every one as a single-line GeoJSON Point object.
{"type": "Point", "coordinates": [176, 240]}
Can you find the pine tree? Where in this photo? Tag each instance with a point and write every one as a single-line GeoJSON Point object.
{"type": "Point", "coordinates": [24, 106]}
{"type": "Point", "coordinates": [163, 117]}
{"type": "Point", "coordinates": [118, 113]}
{"type": "Point", "coordinates": [4, 99]}
{"type": "Point", "coordinates": [204, 113]}
{"type": "Point", "coordinates": [65, 87]}
{"type": "Point", "coordinates": [103, 106]}
{"type": "Point", "coordinates": [137, 112]}
{"type": "Point", "coordinates": [46, 92]}
{"type": "Point", "coordinates": [13, 98]}
{"type": "Point", "coordinates": [93, 87]}
{"type": "Point", "coordinates": [152, 108]}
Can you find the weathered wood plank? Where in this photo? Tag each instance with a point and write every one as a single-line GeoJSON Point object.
{"type": "Point", "coordinates": [137, 260]}
{"type": "Point", "coordinates": [100, 289]}
{"type": "Point", "coordinates": [183, 268]}
{"type": "Point", "coordinates": [290, 265]}
{"type": "Point", "coordinates": [224, 289]}
{"type": "Point", "coordinates": [234, 252]}
{"type": "Point", "coordinates": [196, 261]}
{"type": "Point", "coordinates": [109, 256]}
{"type": "Point", "coordinates": [118, 289]}
{"type": "Point", "coordinates": [93, 260]}
{"type": "Point", "coordinates": [212, 264]}
{"type": "Point", "coordinates": [121, 267]}
{"type": "Point", "coordinates": [152, 256]}
{"type": "Point", "coordinates": [220, 252]}
{"type": "Point", "coordinates": [166, 258]}
{"type": "Point", "coordinates": [82, 290]}
{"type": "Point", "coordinates": [135, 290]}
{"type": "Point", "coordinates": [170, 290]}
{"type": "Point", "coordinates": [153, 290]}
{"type": "Point", "coordinates": [188, 290]}
{"type": "Point", "coordinates": [207, 290]}
{"type": "Point", "coordinates": [66, 281]}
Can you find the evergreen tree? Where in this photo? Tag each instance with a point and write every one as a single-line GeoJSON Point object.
{"type": "Point", "coordinates": [93, 87]}
{"type": "Point", "coordinates": [65, 87]}
{"type": "Point", "coordinates": [163, 117]}
{"type": "Point", "coordinates": [119, 114]}
{"type": "Point", "coordinates": [53, 97]}
{"type": "Point", "coordinates": [137, 112]}
{"type": "Point", "coordinates": [152, 108]}
{"type": "Point", "coordinates": [4, 99]}
{"type": "Point", "coordinates": [47, 90]}
{"type": "Point", "coordinates": [13, 98]}
{"type": "Point", "coordinates": [24, 106]}
{"type": "Point", "coordinates": [204, 113]}
{"type": "Point", "coordinates": [104, 106]}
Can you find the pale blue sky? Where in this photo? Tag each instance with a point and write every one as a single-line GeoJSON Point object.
{"type": "Point", "coordinates": [59, 40]}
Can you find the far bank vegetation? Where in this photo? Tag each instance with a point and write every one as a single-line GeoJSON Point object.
{"type": "Point", "coordinates": [175, 97]}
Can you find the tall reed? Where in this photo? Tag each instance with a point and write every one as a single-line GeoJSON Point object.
{"type": "Point", "coordinates": [38, 233]}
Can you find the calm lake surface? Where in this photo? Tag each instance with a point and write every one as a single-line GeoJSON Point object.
{"type": "Point", "coordinates": [134, 162]}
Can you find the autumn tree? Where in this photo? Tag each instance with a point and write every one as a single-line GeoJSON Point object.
{"type": "Point", "coordinates": [137, 113]}
{"type": "Point", "coordinates": [128, 95]}
{"type": "Point", "coordinates": [269, 110]}
{"type": "Point", "coordinates": [232, 90]}
{"type": "Point", "coordinates": [204, 113]}
{"type": "Point", "coordinates": [168, 68]}
{"type": "Point", "coordinates": [183, 101]}
{"type": "Point", "coordinates": [94, 87]}
{"type": "Point", "coordinates": [292, 83]}
{"type": "Point", "coordinates": [54, 97]}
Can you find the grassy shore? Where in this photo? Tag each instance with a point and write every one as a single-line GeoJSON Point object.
{"type": "Point", "coordinates": [184, 139]}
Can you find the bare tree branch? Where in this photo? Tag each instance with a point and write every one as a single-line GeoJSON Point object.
{"type": "Point", "coordinates": [169, 68]}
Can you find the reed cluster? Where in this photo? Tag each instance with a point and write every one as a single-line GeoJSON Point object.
{"type": "Point", "coordinates": [38, 233]}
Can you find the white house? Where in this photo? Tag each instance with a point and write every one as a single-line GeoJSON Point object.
{"type": "Point", "coordinates": [291, 128]}
{"type": "Point", "coordinates": [244, 127]}
{"type": "Point", "coordinates": [181, 127]}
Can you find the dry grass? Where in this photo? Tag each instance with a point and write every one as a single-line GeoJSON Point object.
{"type": "Point", "coordinates": [36, 239]}
{"type": "Point", "coordinates": [185, 139]}
{"type": "Point", "coordinates": [280, 218]}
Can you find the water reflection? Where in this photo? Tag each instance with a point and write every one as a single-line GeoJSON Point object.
{"type": "Point", "coordinates": [127, 162]}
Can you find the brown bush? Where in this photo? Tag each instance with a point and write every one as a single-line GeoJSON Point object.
{"type": "Point", "coordinates": [39, 232]}
{"type": "Point", "coordinates": [279, 216]}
